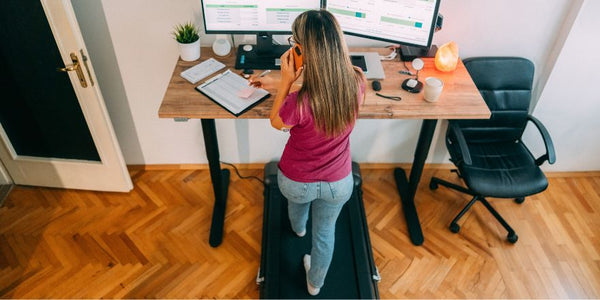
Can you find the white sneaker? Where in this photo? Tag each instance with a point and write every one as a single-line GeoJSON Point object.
{"type": "Point", "coordinates": [313, 291]}
{"type": "Point", "coordinates": [302, 233]}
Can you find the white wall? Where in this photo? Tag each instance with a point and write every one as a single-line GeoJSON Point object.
{"type": "Point", "coordinates": [139, 31]}
{"type": "Point", "coordinates": [569, 104]}
{"type": "Point", "coordinates": [90, 16]}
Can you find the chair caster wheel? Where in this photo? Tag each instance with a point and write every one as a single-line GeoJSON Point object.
{"type": "Point", "coordinates": [512, 237]}
{"type": "Point", "coordinates": [433, 185]}
{"type": "Point", "coordinates": [520, 200]}
{"type": "Point", "coordinates": [454, 227]}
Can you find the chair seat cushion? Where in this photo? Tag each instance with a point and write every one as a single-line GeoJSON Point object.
{"type": "Point", "coordinates": [501, 169]}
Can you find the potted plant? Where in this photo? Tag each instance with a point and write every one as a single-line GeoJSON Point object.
{"type": "Point", "coordinates": [186, 35]}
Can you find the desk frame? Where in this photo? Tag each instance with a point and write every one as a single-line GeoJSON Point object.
{"type": "Point", "coordinates": [220, 181]}
{"type": "Point", "coordinates": [460, 100]}
{"type": "Point", "coordinates": [407, 187]}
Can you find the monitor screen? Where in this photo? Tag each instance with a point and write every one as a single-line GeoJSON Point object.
{"type": "Point", "coordinates": [253, 16]}
{"type": "Point", "coordinates": [407, 22]}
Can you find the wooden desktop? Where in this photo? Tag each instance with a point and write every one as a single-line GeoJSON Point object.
{"type": "Point", "coordinates": [460, 99]}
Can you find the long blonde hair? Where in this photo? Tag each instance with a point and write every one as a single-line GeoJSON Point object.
{"type": "Point", "coordinates": [329, 77]}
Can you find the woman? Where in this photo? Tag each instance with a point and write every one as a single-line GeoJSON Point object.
{"type": "Point", "coordinates": [315, 167]}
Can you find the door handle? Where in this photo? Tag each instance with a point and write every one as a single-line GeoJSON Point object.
{"type": "Point", "coordinates": [75, 67]}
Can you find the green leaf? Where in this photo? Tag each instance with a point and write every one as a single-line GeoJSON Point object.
{"type": "Point", "coordinates": [186, 33]}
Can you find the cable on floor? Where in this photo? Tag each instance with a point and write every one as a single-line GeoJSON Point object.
{"type": "Point", "coordinates": [240, 175]}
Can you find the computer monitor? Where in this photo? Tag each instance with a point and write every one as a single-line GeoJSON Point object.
{"type": "Point", "coordinates": [261, 17]}
{"type": "Point", "coordinates": [406, 22]}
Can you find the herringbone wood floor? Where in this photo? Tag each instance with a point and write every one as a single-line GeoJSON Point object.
{"type": "Point", "coordinates": [152, 242]}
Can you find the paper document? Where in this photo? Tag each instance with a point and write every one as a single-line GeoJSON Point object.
{"type": "Point", "coordinates": [202, 70]}
{"type": "Point", "coordinates": [232, 92]}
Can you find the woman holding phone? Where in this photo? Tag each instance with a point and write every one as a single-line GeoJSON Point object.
{"type": "Point", "coordinates": [316, 167]}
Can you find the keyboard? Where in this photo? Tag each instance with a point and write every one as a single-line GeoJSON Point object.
{"type": "Point", "coordinates": [202, 70]}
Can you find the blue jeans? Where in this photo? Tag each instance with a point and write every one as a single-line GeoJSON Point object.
{"type": "Point", "coordinates": [327, 199]}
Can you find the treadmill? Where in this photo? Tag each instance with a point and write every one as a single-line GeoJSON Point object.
{"type": "Point", "coordinates": [352, 273]}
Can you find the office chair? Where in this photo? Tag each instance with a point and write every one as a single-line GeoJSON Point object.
{"type": "Point", "coordinates": [489, 154]}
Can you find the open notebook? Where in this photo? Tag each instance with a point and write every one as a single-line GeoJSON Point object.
{"type": "Point", "coordinates": [232, 92]}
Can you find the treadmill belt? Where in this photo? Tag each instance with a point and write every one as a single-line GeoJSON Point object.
{"type": "Point", "coordinates": [352, 270]}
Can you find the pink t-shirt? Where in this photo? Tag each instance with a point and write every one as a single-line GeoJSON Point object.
{"type": "Point", "coordinates": [310, 156]}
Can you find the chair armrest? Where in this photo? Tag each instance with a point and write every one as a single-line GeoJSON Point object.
{"type": "Point", "coordinates": [462, 143]}
{"type": "Point", "coordinates": [550, 154]}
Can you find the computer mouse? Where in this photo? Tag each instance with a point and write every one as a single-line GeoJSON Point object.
{"type": "Point", "coordinates": [247, 48]}
{"type": "Point", "coordinates": [376, 85]}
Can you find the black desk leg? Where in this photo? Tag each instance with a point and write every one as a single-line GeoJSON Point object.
{"type": "Point", "coordinates": [220, 181]}
{"type": "Point", "coordinates": [408, 188]}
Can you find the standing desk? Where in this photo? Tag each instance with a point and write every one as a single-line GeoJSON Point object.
{"type": "Point", "coordinates": [460, 99]}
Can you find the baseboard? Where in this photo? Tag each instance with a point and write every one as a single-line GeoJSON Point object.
{"type": "Point", "coordinates": [391, 166]}
{"type": "Point", "coordinates": [173, 167]}
{"type": "Point", "coordinates": [363, 166]}
{"type": "Point", "coordinates": [573, 174]}
{"type": "Point", "coordinates": [4, 191]}
{"type": "Point", "coordinates": [260, 166]}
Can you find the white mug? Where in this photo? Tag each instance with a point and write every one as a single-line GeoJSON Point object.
{"type": "Point", "coordinates": [433, 89]}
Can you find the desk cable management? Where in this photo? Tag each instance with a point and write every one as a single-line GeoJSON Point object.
{"type": "Point", "coordinates": [392, 56]}
{"type": "Point", "coordinates": [240, 175]}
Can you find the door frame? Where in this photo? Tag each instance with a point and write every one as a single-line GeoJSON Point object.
{"type": "Point", "coordinates": [110, 174]}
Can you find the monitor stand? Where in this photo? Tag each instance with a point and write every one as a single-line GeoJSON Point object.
{"type": "Point", "coordinates": [408, 53]}
{"type": "Point", "coordinates": [262, 56]}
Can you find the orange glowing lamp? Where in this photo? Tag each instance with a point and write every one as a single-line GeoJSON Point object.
{"type": "Point", "coordinates": [446, 57]}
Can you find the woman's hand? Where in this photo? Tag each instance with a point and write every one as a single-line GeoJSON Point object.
{"type": "Point", "coordinates": [288, 73]}
{"type": "Point", "coordinates": [266, 82]}
{"type": "Point", "coordinates": [361, 73]}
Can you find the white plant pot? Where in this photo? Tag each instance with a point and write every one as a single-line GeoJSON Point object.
{"type": "Point", "coordinates": [190, 52]}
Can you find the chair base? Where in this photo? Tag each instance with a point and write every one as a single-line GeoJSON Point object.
{"type": "Point", "coordinates": [454, 227]}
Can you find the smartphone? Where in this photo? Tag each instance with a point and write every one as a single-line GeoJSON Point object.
{"type": "Point", "coordinates": [359, 61]}
{"type": "Point", "coordinates": [297, 53]}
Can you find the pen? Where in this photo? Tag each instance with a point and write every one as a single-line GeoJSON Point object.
{"type": "Point", "coordinates": [264, 73]}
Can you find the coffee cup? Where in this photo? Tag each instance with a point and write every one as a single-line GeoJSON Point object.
{"type": "Point", "coordinates": [433, 89]}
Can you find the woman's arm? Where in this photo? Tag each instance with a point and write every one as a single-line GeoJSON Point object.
{"type": "Point", "coordinates": [276, 122]}
{"type": "Point", "coordinates": [285, 86]}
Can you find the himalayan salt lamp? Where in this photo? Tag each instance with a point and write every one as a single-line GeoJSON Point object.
{"type": "Point", "coordinates": [446, 57]}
